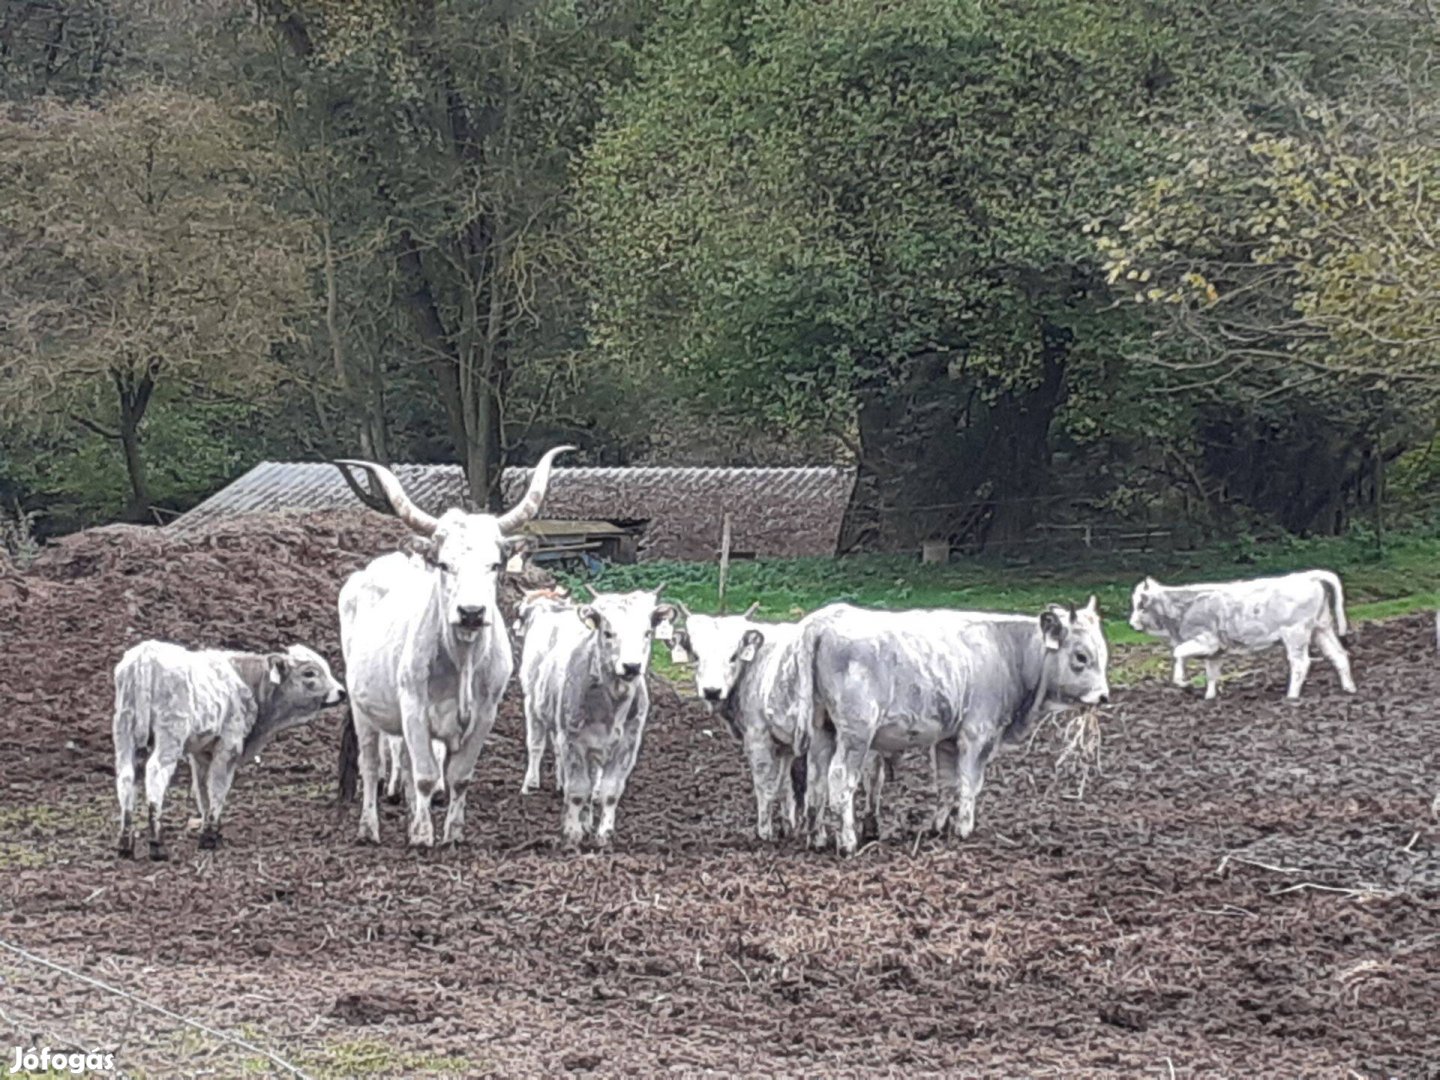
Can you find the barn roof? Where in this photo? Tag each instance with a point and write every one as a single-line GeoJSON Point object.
{"type": "Point", "coordinates": [775, 510]}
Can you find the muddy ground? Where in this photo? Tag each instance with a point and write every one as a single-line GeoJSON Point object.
{"type": "Point", "coordinates": [1246, 889]}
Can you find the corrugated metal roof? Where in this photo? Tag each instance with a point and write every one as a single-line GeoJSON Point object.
{"type": "Point", "coordinates": [764, 498]}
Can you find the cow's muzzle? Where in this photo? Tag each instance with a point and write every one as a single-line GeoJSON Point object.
{"type": "Point", "coordinates": [629, 672]}
{"type": "Point", "coordinates": [470, 618]}
{"type": "Point", "coordinates": [337, 697]}
{"type": "Point", "coordinates": [711, 693]}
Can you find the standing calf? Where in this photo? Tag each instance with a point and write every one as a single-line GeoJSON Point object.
{"type": "Point", "coordinates": [747, 672]}
{"type": "Point", "coordinates": [219, 708]}
{"type": "Point", "coordinates": [586, 689]}
{"type": "Point", "coordinates": [1209, 620]}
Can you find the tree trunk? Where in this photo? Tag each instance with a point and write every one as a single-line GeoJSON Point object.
{"type": "Point", "coordinates": [134, 398]}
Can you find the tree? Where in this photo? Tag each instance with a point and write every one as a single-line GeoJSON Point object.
{"type": "Point", "coordinates": [865, 220]}
{"type": "Point", "coordinates": [140, 252]}
{"type": "Point", "coordinates": [440, 136]}
{"type": "Point", "coordinates": [1284, 248]}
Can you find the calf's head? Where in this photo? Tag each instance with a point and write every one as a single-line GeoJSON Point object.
{"type": "Point", "coordinates": [536, 600]}
{"type": "Point", "coordinates": [623, 626]}
{"type": "Point", "coordinates": [467, 552]}
{"type": "Point", "coordinates": [1144, 607]}
{"type": "Point", "coordinates": [1075, 646]}
{"type": "Point", "coordinates": [300, 683]}
{"type": "Point", "coordinates": [722, 647]}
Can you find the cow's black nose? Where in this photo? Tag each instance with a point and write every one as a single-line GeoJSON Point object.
{"type": "Point", "coordinates": [1104, 699]}
{"type": "Point", "coordinates": [471, 617]}
{"type": "Point", "coordinates": [341, 697]}
{"type": "Point", "coordinates": [629, 671]}
{"type": "Point", "coordinates": [711, 693]}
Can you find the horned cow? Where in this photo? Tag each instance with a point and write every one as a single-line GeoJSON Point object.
{"type": "Point", "coordinates": [426, 652]}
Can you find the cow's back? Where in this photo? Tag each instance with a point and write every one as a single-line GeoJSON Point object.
{"type": "Point", "coordinates": [1253, 614]}
{"type": "Point", "coordinates": [191, 693]}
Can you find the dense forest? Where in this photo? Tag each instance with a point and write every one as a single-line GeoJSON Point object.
{"type": "Point", "coordinates": [1022, 262]}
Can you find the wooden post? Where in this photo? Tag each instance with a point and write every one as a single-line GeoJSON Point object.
{"type": "Point", "coordinates": [724, 559]}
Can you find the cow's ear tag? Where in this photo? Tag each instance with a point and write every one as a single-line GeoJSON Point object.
{"type": "Point", "coordinates": [678, 655]}
{"type": "Point", "coordinates": [665, 632]}
{"type": "Point", "coordinates": [275, 675]}
{"type": "Point", "coordinates": [515, 563]}
{"type": "Point", "coordinates": [747, 653]}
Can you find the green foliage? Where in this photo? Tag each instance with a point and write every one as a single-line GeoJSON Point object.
{"type": "Point", "coordinates": [1405, 578]}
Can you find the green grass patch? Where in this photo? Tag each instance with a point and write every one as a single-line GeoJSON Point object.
{"type": "Point", "coordinates": [371, 1057]}
{"type": "Point", "coordinates": [1403, 579]}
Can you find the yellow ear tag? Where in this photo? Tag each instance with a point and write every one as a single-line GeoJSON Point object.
{"type": "Point", "coordinates": [665, 632]}
{"type": "Point", "coordinates": [515, 564]}
{"type": "Point", "coordinates": [678, 655]}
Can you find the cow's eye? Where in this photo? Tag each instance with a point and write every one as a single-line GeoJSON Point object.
{"type": "Point", "coordinates": [1081, 658]}
{"type": "Point", "coordinates": [497, 567]}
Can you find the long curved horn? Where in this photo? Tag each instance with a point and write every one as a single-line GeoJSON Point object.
{"type": "Point", "coordinates": [751, 610]}
{"type": "Point", "coordinates": [529, 506]}
{"type": "Point", "coordinates": [590, 589]}
{"type": "Point", "coordinates": [399, 503]}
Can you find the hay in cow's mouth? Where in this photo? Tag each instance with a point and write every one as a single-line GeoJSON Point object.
{"type": "Point", "coordinates": [1080, 747]}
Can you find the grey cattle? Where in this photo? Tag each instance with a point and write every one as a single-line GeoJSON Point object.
{"type": "Point", "coordinates": [218, 708]}
{"type": "Point", "coordinates": [955, 681]}
{"type": "Point", "coordinates": [537, 631]}
{"type": "Point", "coordinates": [747, 671]}
{"type": "Point", "coordinates": [585, 690]}
{"type": "Point", "coordinates": [427, 656]}
{"type": "Point", "coordinates": [1209, 620]}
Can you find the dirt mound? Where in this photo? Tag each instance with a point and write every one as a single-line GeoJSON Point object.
{"type": "Point", "coordinates": [257, 583]}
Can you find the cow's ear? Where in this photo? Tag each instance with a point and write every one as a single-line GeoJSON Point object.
{"type": "Point", "coordinates": [752, 640]}
{"type": "Point", "coordinates": [663, 621]}
{"type": "Point", "coordinates": [279, 667]}
{"type": "Point", "coordinates": [517, 549]}
{"type": "Point", "coordinates": [1052, 628]}
{"type": "Point", "coordinates": [589, 616]}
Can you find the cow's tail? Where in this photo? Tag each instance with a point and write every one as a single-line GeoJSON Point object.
{"type": "Point", "coordinates": [1335, 593]}
{"type": "Point", "coordinates": [349, 772]}
{"type": "Point", "coordinates": [131, 725]}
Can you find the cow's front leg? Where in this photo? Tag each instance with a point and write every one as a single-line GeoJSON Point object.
{"type": "Point", "coordinates": [460, 770]}
{"type": "Point", "coordinates": [534, 746]}
{"type": "Point", "coordinates": [219, 776]}
{"type": "Point", "coordinates": [610, 785]}
{"type": "Point", "coordinates": [578, 781]}
{"type": "Point", "coordinates": [1212, 677]}
{"type": "Point", "coordinates": [974, 755]}
{"type": "Point", "coordinates": [1178, 675]}
{"type": "Point", "coordinates": [426, 773]}
{"type": "Point", "coordinates": [1198, 648]}
{"type": "Point", "coordinates": [766, 773]}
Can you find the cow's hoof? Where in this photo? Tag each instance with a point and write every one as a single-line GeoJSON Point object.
{"type": "Point", "coordinates": [209, 839]}
{"type": "Point", "coordinates": [126, 848]}
{"type": "Point", "coordinates": [158, 852]}
{"type": "Point", "coordinates": [529, 787]}
{"type": "Point", "coordinates": [393, 798]}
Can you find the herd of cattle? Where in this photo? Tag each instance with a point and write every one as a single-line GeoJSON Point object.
{"type": "Point", "coordinates": [822, 706]}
